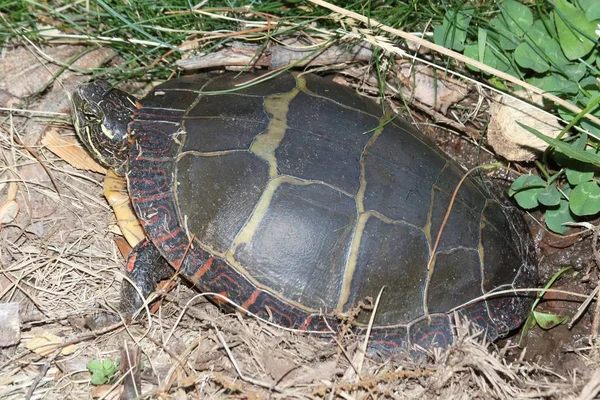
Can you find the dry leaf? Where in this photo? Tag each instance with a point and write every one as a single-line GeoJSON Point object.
{"type": "Point", "coordinates": [277, 367]}
{"type": "Point", "coordinates": [311, 374]}
{"type": "Point", "coordinates": [45, 343]}
{"type": "Point", "coordinates": [107, 392]}
{"type": "Point", "coordinates": [439, 92]}
{"type": "Point", "coordinates": [511, 141]}
{"type": "Point", "coordinates": [8, 212]}
{"type": "Point", "coordinates": [70, 151]}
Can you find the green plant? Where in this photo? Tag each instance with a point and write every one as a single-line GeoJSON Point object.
{"type": "Point", "coordinates": [577, 196]}
{"type": "Point", "coordinates": [553, 48]}
{"type": "Point", "coordinates": [543, 320]}
{"type": "Point", "coordinates": [102, 371]}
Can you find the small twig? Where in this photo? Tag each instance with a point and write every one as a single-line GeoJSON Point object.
{"type": "Point", "coordinates": [38, 158]}
{"type": "Point", "coordinates": [596, 320]}
{"type": "Point", "coordinates": [42, 373]}
{"type": "Point", "coordinates": [362, 353]}
{"type": "Point", "coordinates": [33, 112]}
{"type": "Point", "coordinates": [342, 349]}
{"type": "Point", "coordinates": [353, 373]}
{"type": "Point", "coordinates": [237, 368]}
{"type": "Point", "coordinates": [449, 209]}
{"type": "Point", "coordinates": [596, 231]}
{"type": "Point", "coordinates": [584, 307]}
{"type": "Point", "coordinates": [171, 354]}
{"type": "Point", "coordinates": [592, 388]}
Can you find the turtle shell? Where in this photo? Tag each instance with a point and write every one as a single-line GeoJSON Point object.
{"type": "Point", "coordinates": [296, 199]}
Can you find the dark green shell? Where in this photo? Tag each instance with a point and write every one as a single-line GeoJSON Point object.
{"type": "Point", "coordinates": [302, 199]}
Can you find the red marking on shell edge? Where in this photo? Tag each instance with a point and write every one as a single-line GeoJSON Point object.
{"type": "Point", "coordinates": [250, 300]}
{"type": "Point", "coordinates": [306, 323]}
{"type": "Point", "coordinates": [168, 236]}
{"type": "Point", "coordinates": [152, 198]}
{"type": "Point", "coordinates": [435, 334]}
{"type": "Point", "coordinates": [131, 262]}
{"type": "Point", "coordinates": [385, 343]}
{"type": "Point", "coordinates": [221, 299]}
{"type": "Point", "coordinates": [138, 105]}
{"type": "Point", "coordinates": [205, 267]}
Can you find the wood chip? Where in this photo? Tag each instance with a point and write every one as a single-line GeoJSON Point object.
{"type": "Point", "coordinates": [70, 151]}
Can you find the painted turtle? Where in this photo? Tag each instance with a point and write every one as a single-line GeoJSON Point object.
{"type": "Point", "coordinates": [296, 198]}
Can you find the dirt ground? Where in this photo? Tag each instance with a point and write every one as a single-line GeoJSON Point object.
{"type": "Point", "coordinates": [60, 262]}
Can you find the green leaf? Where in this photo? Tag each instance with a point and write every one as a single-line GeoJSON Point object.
{"type": "Point", "coordinates": [577, 172]}
{"type": "Point", "coordinates": [529, 323]}
{"type": "Point", "coordinates": [531, 318]}
{"type": "Point", "coordinates": [556, 217]}
{"type": "Point", "coordinates": [109, 367]}
{"type": "Point", "coordinates": [585, 199]}
{"type": "Point", "coordinates": [575, 71]}
{"type": "Point", "coordinates": [98, 379]}
{"type": "Point", "coordinates": [94, 365]}
{"type": "Point", "coordinates": [527, 57]}
{"type": "Point", "coordinates": [528, 198]}
{"type": "Point", "coordinates": [541, 51]}
{"type": "Point", "coordinates": [526, 189]}
{"type": "Point", "coordinates": [517, 17]}
{"type": "Point", "coordinates": [593, 12]}
{"type": "Point", "coordinates": [547, 44]}
{"type": "Point", "coordinates": [548, 285]}
{"type": "Point", "coordinates": [489, 58]}
{"type": "Point", "coordinates": [537, 48]}
{"type": "Point", "coordinates": [549, 321]}
{"type": "Point", "coordinates": [556, 84]}
{"type": "Point", "coordinates": [526, 182]}
{"type": "Point", "coordinates": [565, 147]}
{"type": "Point", "coordinates": [576, 177]}
{"type": "Point", "coordinates": [481, 43]}
{"type": "Point", "coordinates": [586, 4]}
{"type": "Point", "coordinates": [590, 127]}
{"type": "Point", "coordinates": [550, 196]}
{"type": "Point", "coordinates": [102, 371]}
{"type": "Point", "coordinates": [453, 31]}
{"type": "Point", "coordinates": [570, 21]}
{"type": "Point", "coordinates": [506, 39]}
{"type": "Point", "coordinates": [511, 24]}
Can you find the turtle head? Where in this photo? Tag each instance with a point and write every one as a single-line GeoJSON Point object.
{"type": "Point", "coordinates": [101, 115]}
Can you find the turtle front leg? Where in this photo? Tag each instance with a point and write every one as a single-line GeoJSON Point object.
{"type": "Point", "coordinates": [145, 268]}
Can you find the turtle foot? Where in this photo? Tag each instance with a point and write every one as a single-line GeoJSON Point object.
{"type": "Point", "coordinates": [101, 320]}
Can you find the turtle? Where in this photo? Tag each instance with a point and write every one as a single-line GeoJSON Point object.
{"type": "Point", "coordinates": [294, 198]}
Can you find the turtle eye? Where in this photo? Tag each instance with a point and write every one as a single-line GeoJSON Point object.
{"type": "Point", "coordinates": [89, 113]}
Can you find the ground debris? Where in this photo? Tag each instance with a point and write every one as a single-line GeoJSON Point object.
{"type": "Point", "coordinates": [10, 324]}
